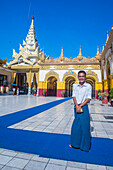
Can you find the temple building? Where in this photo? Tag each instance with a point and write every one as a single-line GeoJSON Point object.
{"type": "Point", "coordinates": [107, 63]}
{"type": "Point", "coordinates": [31, 68]}
{"type": "Point", "coordinates": [5, 77]}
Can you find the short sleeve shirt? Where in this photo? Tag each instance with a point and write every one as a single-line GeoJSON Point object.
{"type": "Point", "coordinates": [81, 93]}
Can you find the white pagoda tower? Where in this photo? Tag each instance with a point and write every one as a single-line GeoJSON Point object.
{"type": "Point", "coordinates": [29, 53]}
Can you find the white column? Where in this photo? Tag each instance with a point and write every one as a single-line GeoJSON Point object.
{"type": "Point", "coordinates": [37, 91]}
{"type": "Point", "coordinates": [29, 90]}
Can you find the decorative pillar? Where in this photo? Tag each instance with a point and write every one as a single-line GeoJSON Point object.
{"type": "Point", "coordinates": [13, 77]}
{"type": "Point", "coordinates": [106, 86]}
{"type": "Point", "coordinates": [98, 86]}
{"type": "Point", "coordinates": [37, 79]}
{"type": "Point", "coordinates": [42, 85]}
{"type": "Point", "coordinates": [37, 91]}
{"type": "Point", "coordinates": [29, 80]}
{"type": "Point", "coordinates": [60, 87]}
{"type": "Point", "coordinates": [111, 82]}
{"type": "Point", "coordinates": [17, 79]}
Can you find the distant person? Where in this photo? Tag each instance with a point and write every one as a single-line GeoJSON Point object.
{"type": "Point", "coordinates": [100, 97]}
{"type": "Point", "coordinates": [80, 131]}
{"type": "Point", "coordinates": [14, 91]}
{"type": "Point", "coordinates": [17, 91]}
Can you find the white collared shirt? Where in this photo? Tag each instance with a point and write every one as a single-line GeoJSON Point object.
{"type": "Point", "coordinates": [81, 93]}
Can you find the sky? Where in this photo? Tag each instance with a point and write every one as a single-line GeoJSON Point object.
{"type": "Point", "coordinates": [58, 23]}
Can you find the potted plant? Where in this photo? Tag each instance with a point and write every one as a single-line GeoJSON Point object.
{"type": "Point", "coordinates": [34, 90]}
{"type": "Point", "coordinates": [104, 97]}
{"type": "Point", "coordinates": [111, 74]}
{"type": "Point", "coordinates": [111, 96]}
{"type": "Point", "coordinates": [63, 92]}
{"type": "Point", "coordinates": [44, 92]}
{"type": "Point", "coordinates": [98, 93]}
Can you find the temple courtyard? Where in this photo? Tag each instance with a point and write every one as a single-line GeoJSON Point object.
{"type": "Point", "coordinates": [35, 134]}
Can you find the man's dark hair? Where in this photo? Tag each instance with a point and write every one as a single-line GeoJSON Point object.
{"type": "Point", "coordinates": [82, 71]}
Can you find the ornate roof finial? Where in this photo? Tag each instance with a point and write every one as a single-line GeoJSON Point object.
{"type": "Point", "coordinates": [33, 17]}
{"type": "Point", "coordinates": [97, 50]}
{"type": "Point", "coordinates": [103, 47]}
{"type": "Point", "coordinates": [32, 20]}
{"type": "Point", "coordinates": [62, 55]}
{"type": "Point", "coordinates": [107, 36]}
{"type": "Point", "coordinates": [80, 54]}
{"type": "Point", "coordinates": [80, 57]}
{"type": "Point", "coordinates": [62, 52]}
{"type": "Point", "coordinates": [111, 29]}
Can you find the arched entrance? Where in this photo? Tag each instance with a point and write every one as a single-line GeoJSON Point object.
{"type": "Point", "coordinates": [21, 81]}
{"type": "Point", "coordinates": [91, 81]}
{"type": "Point", "coordinates": [52, 86]}
{"type": "Point", "coordinates": [69, 81]}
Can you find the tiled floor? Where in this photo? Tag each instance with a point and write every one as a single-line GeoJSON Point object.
{"type": "Point", "coordinates": [55, 120]}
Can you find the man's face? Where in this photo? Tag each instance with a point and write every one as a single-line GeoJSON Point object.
{"type": "Point", "coordinates": [81, 77]}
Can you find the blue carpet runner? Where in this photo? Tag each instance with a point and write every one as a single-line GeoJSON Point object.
{"type": "Point", "coordinates": [51, 145]}
{"type": "Point", "coordinates": [13, 118]}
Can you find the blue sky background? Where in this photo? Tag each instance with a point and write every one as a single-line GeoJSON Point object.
{"type": "Point", "coordinates": [67, 23]}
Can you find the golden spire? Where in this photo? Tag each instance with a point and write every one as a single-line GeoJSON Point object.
{"type": "Point", "coordinates": [111, 29]}
{"type": "Point", "coordinates": [107, 36]}
{"type": "Point", "coordinates": [62, 52]}
{"type": "Point", "coordinates": [103, 47]}
{"type": "Point", "coordinates": [62, 55]}
{"type": "Point", "coordinates": [80, 57]}
{"type": "Point", "coordinates": [32, 21]}
{"type": "Point", "coordinates": [97, 50]}
{"type": "Point", "coordinates": [80, 54]}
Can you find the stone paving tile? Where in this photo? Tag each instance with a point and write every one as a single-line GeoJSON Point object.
{"type": "Point", "coordinates": [1, 166]}
{"type": "Point", "coordinates": [55, 167]}
{"type": "Point", "coordinates": [4, 159]}
{"type": "Point", "coordinates": [58, 162]}
{"type": "Point", "coordinates": [17, 163]}
{"type": "Point", "coordinates": [95, 167]}
{"type": "Point", "coordinates": [73, 168]}
{"type": "Point", "coordinates": [1, 150]}
{"type": "Point", "coordinates": [24, 156]}
{"type": "Point", "coordinates": [9, 153]}
{"type": "Point", "coordinates": [40, 159]}
{"type": "Point", "coordinates": [109, 168]}
{"type": "Point", "coordinates": [76, 164]}
{"type": "Point", "coordinates": [35, 165]}
{"type": "Point", "coordinates": [10, 168]}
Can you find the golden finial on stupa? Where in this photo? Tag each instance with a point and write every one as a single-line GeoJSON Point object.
{"type": "Point", "coordinates": [97, 50]}
{"type": "Point", "coordinates": [103, 47]}
{"type": "Point", "coordinates": [80, 57]}
{"type": "Point", "coordinates": [62, 55]}
{"type": "Point", "coordinates": [80, 54]}
{"type": "Point", "coordinates": [107, 36]}
{"type": "Point", "coordinates": [62, 52]}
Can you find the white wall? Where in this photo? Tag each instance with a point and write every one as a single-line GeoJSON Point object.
{"type": "Point", "coordinates": [42, 73]}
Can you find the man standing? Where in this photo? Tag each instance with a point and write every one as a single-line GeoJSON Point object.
{"type": "Point", "coordinates": [80, 131]}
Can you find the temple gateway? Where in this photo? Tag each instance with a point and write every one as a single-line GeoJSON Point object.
{"type": "Point", "coordinates": [31, 69]}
